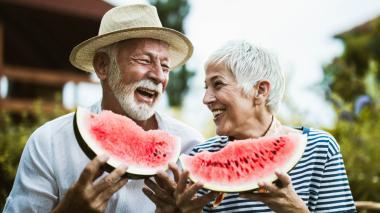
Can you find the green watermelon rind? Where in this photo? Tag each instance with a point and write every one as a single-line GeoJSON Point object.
{"type": "Point", "coordinates": [215, 186]}
{"type": "Point", "coordinates": [92, 149]}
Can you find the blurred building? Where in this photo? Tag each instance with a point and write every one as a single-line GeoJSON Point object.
{"type": "Point", "coordinates": [36, 37]}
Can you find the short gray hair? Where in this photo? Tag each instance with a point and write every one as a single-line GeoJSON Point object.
{"type": "Point", "coordinates": [250, 64]}
{"type": "Point", "coordinates": [111, 51]}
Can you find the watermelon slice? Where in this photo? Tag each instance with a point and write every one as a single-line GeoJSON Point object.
{"type": "Point", "coordinates": [144, 152]}
{"type": "Point", "coordinates": [241, 164]}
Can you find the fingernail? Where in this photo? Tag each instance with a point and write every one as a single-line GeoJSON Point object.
{"type": "Point", "coordinates": [278, 171]}
{"type": "Point", "coordinates": [123, 166]}
{"type": "Point", "coordinates": [103, 157]}
{"type": "Point", "coordinates": [200, 184]}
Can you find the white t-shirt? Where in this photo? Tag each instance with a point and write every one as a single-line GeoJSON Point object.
{"type": "Point", "coordinates": [52, 161]}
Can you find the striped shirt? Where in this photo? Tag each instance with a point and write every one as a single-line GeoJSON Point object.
{"type": "Point", "coordinates": [319, 178]}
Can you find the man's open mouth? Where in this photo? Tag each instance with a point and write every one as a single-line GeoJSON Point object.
{"type": "Point", "coordinates": [147, 92]}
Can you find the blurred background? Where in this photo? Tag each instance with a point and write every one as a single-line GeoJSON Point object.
{"type": "Point", "coordinates": [330, 51]}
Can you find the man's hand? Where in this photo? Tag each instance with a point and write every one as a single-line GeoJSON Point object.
{"type": "Point", "coordinates": [177, 195]}
{"type": "Point", "coordinates": [88, 195]}
{"type": "Point", "coordinates": [161, 191]}
{"type": "Point", "coordinates": [279, 199]}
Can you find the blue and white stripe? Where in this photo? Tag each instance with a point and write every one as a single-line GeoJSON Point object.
{"type": "Point", "coordinates": [319, 178]}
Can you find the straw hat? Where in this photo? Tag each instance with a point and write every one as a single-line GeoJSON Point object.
{"type": "Point", "coordinates": [131, 21]}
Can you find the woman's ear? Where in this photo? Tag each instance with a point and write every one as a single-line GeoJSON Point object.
{"type": "Point", "coordinates": [100, 63]}
{"type": "Point", "coordinates": [262, 90]}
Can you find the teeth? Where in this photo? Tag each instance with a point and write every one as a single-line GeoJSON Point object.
{"type": "Point", "coordinates": [217, 112]}
{"type": "Point", "coordinates": [151, 92]}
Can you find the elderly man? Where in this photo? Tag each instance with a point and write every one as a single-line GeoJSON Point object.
{"type": "Point", "coordinates": [132, 56]}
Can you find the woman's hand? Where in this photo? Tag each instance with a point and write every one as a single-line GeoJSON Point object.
{"type": "Point", "coordinates": [279, 199]}
{"type": "Point", "coordinates": [175, 195]}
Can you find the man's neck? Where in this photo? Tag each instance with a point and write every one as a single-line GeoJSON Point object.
{"type": "Point", "coordinates": [149, 124]}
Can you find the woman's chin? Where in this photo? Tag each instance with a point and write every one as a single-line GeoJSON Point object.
{"type": "Point", "coordinates": [220, 131]}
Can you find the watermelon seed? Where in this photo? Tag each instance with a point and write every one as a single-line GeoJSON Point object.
{"type": "Point", "coordinates": [261, 165]}
{"type": "Point", "coordinates": [236, 163]}
{"type": "Point", "coordinates": [245, 160]}
{"type": "Point", "coordinates": [257, 155]}
{"type": "Point", "coordinates": [274, 152]}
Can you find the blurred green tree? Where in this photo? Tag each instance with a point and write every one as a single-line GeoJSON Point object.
{"type": "Point", "coordinates": [351, 82]}
{"type": "Point", "coordinates": [172, 14]}
{"type": "Point", "coordinates": [15, 130]}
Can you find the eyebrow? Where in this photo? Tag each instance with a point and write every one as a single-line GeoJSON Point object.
{"type": "Point", "coordinates": [154, 56]}
{"type": "Point", "coordinates": [213, 78]}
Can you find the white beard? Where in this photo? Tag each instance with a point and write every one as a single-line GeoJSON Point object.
{"type": "Point", "coordinates": [124, 93]}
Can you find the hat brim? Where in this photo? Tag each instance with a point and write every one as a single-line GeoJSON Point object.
{"type": "Point", "coordinates": [180, 48]}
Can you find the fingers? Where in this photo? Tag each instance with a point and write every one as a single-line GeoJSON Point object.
{"type": "Point", "coordinates": [92, 169]}
{"type": "Point", "coordinates": [151, 195]}
{"type": "Point", "coordinates": [111, 179]}
{"type": "Point", "coordinates": [164, 181]}
{"type": "Point", "coordinates": [189, 193]}
{"type": "Point", "coordinates": [159, 192]}
{"type": "Point", "coordinates": [173, 167]}
{"type": "Point", "coordinates": [203, 200]}
{"type": "Point", "coordinates": [284, 178]}
{"type": "Point", "coordinates": [268, 187]}
{"type": "Point", "coordinates": [182, 181]}
{"type": "Point", "coordinates": [108, 192]}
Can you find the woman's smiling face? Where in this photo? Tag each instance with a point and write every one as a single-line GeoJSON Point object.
{"type": "Point", "coordinates": [230, 106]}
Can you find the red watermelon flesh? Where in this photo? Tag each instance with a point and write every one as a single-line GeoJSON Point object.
{"type": "Point", "coordinates": [144, 152]}
{"type": "Point", "coordinates": [241, 164]}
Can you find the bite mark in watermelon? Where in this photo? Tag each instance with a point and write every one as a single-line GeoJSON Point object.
{"type": "Point", "coordinates": [242, 164]}
{"type": "Point", "coordinates": [144, 152]}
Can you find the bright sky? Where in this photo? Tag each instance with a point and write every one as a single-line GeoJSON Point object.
{"type": "Point", "coordinates": [300, 33]}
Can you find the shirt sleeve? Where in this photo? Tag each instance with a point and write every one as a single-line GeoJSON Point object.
{"type": "Point", "coordinates": [34, 188]}
{"type": "Point", "coordinates": [334, 193]}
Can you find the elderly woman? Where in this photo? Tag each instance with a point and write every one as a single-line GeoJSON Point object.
{"type": "Point", "coordinates": [244, 87]}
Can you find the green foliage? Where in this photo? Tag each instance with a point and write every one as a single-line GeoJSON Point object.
{"type": "Point", "coordinates": [359, 142]}
{"type": "Point", "coordinates": [172, 13]}
{"type": "Point", "coordinates": [178, 86]}
{"type": "Point", "coordinates": [351, 82]}
{"type": "Point", "coordinates": [15, 130]}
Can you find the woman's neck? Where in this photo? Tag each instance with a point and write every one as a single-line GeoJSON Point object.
{"type": "Point", "coordinates": [256, 127]}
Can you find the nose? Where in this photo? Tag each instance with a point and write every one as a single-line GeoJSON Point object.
{"type": "Point", "coordinates": [208, 97]}
{"type": "Point", "coordinates": [157, 74]}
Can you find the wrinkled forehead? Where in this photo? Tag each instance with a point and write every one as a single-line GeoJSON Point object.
{"type": "Point", "coordinates": [153, 47]}
{"type": "Point", "coordinates": [215, 70]}
{"type": "Point", "coordinates": [144, 43]}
